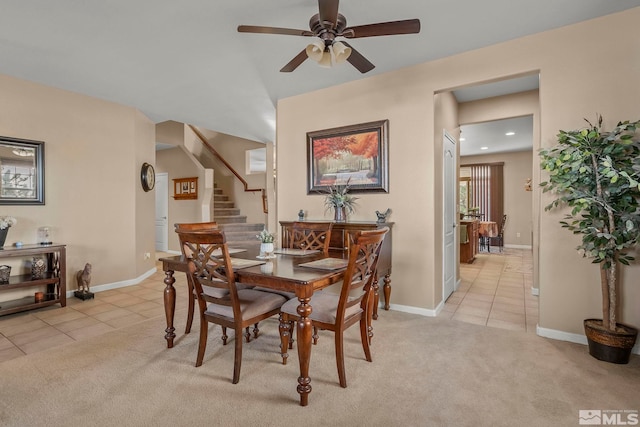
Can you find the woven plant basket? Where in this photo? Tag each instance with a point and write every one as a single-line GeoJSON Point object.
{"type": "Point", "coordinates": [614, 347]}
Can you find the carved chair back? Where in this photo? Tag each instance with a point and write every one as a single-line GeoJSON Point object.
{"type": "Point", "coordinates": [311, 235]}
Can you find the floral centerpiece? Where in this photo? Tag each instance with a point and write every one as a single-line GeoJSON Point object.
{"type": "Point", "coordinates": [266, 243]}
{"type": "Point", "coordinates": [339, 199]}
{"type": "Point", "coordinates": [265, 236]}
{"type": "Point", "coordinates": [5, 223]}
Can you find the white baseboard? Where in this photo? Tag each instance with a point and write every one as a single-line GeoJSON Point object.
{"type": "Point", "coordinates": [529, 247]}
{"type": "Point", "coordinates": [415, 310]}
{"type": "Point", "coordinates": [574, 338]}
{"type": "Point", "coordinates": [116, 285]}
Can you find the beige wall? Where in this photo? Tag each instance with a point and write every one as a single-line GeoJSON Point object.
{"type": "Point", "coordinates": [577, 80]}
{"type": "Point", "coordinates": [177, 163]}
{"type": "Point", "coordinates": [233, 150]}
{"type": "Point", "coordinates": [518, 203]}
{"type": "Point", "coordinates": [94, 201]}
{"type": "Point", "coordinates": [191, 158]}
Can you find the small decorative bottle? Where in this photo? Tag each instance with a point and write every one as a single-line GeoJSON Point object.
{"type": "Point", "coordinates": [301, 215]}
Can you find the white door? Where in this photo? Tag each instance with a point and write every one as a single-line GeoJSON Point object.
{"type": "Point", "coordinates": [162, 212]}
{"type": "Point", "coordinates": [450, 254]}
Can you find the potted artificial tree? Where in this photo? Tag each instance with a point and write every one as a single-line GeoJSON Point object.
{"type": "Point", "coordinates": [597, 175]}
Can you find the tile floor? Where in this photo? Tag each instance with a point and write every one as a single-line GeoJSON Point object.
{"type": "Point", "coordinates": [37, 330]}
{"type": "Point", "coordinates": [494, 291]}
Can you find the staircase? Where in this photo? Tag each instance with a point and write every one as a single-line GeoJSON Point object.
{"type": "Point", "coordinates": [239, 234]}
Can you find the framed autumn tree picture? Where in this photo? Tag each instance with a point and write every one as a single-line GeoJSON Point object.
{"type": "Point", "coordinates": [357, 154]}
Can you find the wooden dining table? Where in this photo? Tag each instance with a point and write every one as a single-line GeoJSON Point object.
{"type": "Point", "coordinates": [283, 272]}
{"type": "Point", "coordinates": [487, 230]}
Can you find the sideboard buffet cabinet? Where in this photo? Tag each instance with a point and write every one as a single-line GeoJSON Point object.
{"type": "Point", "coordinates": [48, 288]}
{"type": "Point", "coordinates": [339, 248]}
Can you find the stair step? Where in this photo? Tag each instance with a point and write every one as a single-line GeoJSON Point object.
{"type": "Point", "coordinates": [226, 212]}
{"type": "Point", "coordinates": [230, 219]}
{"type": "Point", "coordinates": [244, 244]}
{"type": "Point", "coordinates": [223, 204]}
{"type": "Point", "coordinates": [242, 227]}
{"type": "Point", "coordinates": [239, 236]}
{"type": "Point", "coordinates": [220, 197]}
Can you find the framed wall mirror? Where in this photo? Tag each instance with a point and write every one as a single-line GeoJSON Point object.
{"type": "Point", "coordinates": [21, 172]}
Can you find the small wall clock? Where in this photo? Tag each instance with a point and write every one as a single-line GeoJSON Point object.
{"type": "Point", "coordinates": [147, 177]}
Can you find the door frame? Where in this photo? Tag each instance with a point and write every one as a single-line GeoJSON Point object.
{"type": "Point", "coordinates": [162, 197]}
{"type": "Point", "coordinates": [452, 221]}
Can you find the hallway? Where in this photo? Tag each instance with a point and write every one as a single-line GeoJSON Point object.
{"type": "Point", "coordinates": [495, 291]}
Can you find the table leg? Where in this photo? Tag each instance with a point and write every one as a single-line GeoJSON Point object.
{"type": "Point", "coordinates": [376, 298]}
{"type": "Point", "coordinates": [304, 329]}
{"type": "Point", "coordinates": [169, 306]}
{"type": "Point", "coordinates": [387, 291]}
{"type": "Point", "coordinates": [371, 309]}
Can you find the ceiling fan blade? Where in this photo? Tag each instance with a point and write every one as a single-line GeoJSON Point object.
{"type": "Point", "coordinates": [357, 60]}
{"type": "Point", "coordinates": [408, 26]}
{"type": "Point", "coordinates": [273, 30]}
{"type": "Point", "coordinates": [328, 11]}
{"type": "Point", "coordinates": [295, 62]}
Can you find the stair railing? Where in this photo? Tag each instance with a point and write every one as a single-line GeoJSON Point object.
{"type": "Point", "coordinates": [231, 169]}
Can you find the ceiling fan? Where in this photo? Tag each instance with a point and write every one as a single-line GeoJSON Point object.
{"type": "Point", "coordinates": [327, 26]}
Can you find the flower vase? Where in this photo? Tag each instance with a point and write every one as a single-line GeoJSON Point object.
{"type": "Point", "coordinates": [3, 236]}
{"type": "Point", "coordinates": [340, 214]}
{"type": "Point", "coordinates": [266, 250]}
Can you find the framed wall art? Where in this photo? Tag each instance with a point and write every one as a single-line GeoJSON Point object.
{"type": "Point", "coordinates": [357, 154]}
{"type": "Point", "coordinates": [185, 188]}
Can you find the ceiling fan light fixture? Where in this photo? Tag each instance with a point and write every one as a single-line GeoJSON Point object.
{"type": "Point", "coordinates": [315, 50]}
{"type": "Point", "coordinates": [326, 61]}
{"type": "Point", "coordinates": [341, 52]}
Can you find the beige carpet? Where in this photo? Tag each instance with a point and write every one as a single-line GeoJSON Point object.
{"type": "Point", "coordinates": [426, 372]}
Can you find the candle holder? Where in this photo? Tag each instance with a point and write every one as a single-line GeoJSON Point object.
{"type": "Point", "coordinates": [38, 267]}
{"type": "Point", "coordinates": [5, 272]}
{"type": "Point", "coordinates": [39, 297]}
{"type": "Point", "coordinates": [44, 235]}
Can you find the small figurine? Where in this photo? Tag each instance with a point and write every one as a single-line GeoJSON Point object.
{"type": "Point", "coordinates": [301, 215]}
{"type": "Point", "coordinates": [382, 216]}
{"type": "Point", "coordinates": [83, 277]}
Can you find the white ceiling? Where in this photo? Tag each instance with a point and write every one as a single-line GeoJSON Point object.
{"type": "Point", "coordinates": [185, 60]}
{"type": "Point", "coordinates": [493, 136]}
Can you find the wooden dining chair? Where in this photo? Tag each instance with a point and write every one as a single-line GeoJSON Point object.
{"type": "Point", "coordinates": [219, 300]}
{"type": "Point", "coordinates": [311, 236]}
{"type": "Point", "coordinates": [338, 312]}
{"type": "Point", "coordinates": [500, 237]}
{"type": "Point", "coordinates": [185, 227]}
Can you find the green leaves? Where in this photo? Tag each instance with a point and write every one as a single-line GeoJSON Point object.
{"type": "Point", "coordinates": [597, 174]}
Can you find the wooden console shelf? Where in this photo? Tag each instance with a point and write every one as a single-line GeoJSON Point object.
{"type": "Point", "coordinates": [53, 284]}
{"type": "Point", "coordinates": [469, 248]}
{"type": "Point", "coordinates": [339, 248]}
